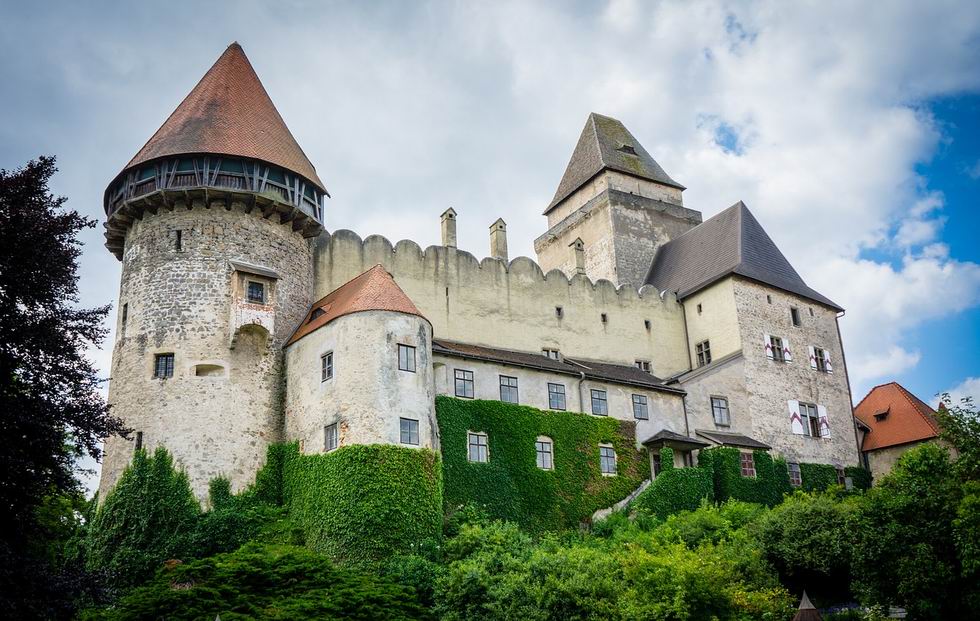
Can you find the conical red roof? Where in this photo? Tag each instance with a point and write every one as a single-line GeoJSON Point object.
{"type": "Point", "coordinates": [229, 112]}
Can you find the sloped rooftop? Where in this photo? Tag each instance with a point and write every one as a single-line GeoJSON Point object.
{"type": "Point", "coordinates": [732, 242]}
{"type": "Point", "coordinates": [895, 416]}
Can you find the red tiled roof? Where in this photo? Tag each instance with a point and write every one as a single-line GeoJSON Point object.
{"type": "Point", "coordinates": [375, 289]}
{"type": "Point", "coordinates": [902, 417]}
{"type": "Point", "coordinates": [229, 112]}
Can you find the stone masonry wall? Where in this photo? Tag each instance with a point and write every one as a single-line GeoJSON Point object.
{"type": "Point", "coordinates": [216, 419]}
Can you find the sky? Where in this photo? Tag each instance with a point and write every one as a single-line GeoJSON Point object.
{"type": "Point", "coordinates": [851, 130]}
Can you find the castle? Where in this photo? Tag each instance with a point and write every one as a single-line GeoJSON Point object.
{"type": "Point", "coordinates": [242, 322]}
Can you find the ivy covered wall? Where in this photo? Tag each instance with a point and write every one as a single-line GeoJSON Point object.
{"type": "Point", "coordinates": [510, 486]}
{"type": "Point", "coordinates": [676, 489]}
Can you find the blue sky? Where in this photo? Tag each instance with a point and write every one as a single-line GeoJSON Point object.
{"type": "Point", "coordinates": [851, 132]}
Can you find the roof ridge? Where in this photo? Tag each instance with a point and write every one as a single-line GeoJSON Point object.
{"type": "Point", "coordinates": [915, 401]}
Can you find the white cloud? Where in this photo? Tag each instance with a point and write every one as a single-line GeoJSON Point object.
{"type": "Point", "coordinates": [970, 387]}
{"type": "Point", "coordinates": [974, 171]}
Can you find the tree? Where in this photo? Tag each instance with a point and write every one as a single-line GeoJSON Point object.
{"type": "Point", "coordinates": [52, 411]}
{"type": "Point", "coordinates": [960, 425]}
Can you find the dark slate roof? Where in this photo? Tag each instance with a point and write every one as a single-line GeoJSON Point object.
{"type": "Point", "coordinates": [731, 439]}
{"type": "Point", "coordinates": [665, 436]}
{"type": "Point", "coordinates": [600, 371]}
{"type": "Point", "coordinates": [606, 143]}
{"type": "Point", "coordinates": [732, 242]}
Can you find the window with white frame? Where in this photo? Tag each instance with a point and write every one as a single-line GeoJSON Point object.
{"type": "Point", "coordinates": [406, 358]}
{"type": "Point", "coordinates": [600, 405]}
{"type": "Point", "coordinates": [795, 476]}
{"type": "Point", "coordinates": [719, 409]}
{"type": "Point", "coordinates": [478, 450]}
{"type": "Point", "coordinates": [810, 418]}
{"type": "Point", "coordinates": [820, 358]}
{"type": "Point", "coordinates": [703, 353]}
{"type": "Point", "coordinates": [326, 366]}
{"type": "Point", "coordinates": [408, 431]}
{"type": "Point", "coordinates": [464, 383]}
{"type": "Point", "coordinates": [544, 450]}
{"type": "Point", "coordinates": [641, 410]}
{"type": "Point", "coordinates": [776, 345]}
{"type": "Point", "coordinates": [643, 365]}
{"type": "Point", "coordinates": [554, 354]}
{"type": "Point", "coordinates": [330, 437]}
{"type": "Point", "coordinates": [556, 396]}
{"type": "Point", "coordinates": [163, 366]}
{"type": "Point", "coordinates": [508, 389]}
{"type": "Point", "coordinates": [748, 465]}
{"type": "Point", "coordinates": [607, 459]}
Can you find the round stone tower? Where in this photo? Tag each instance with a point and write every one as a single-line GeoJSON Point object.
{"type": "Point", "coordinates": [212, 221]}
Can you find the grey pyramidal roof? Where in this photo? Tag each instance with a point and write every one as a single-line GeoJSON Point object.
{"type": "Point", "coordinates": [732, 242]}
{"type": "Point", "coordinates": [606, 143]}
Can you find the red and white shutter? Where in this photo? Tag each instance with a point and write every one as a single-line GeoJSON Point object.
{"type": "Point", "coordinates": [826, 361]}
{"type": "Point", "coordinates": [796, 422]}
{"type": "Point", "coordinates": [824, 423]}
{"type": "Point", "coordinates": [787, 354]}
{"type": "Point", "coordinates": [768, 345]}
{"type": "Point", "coordinates": [813, 358]}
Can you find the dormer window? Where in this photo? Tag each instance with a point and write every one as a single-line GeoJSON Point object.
{"type": "Point", "coordinates": [317, 312]}
{"type": "Point", "coordinates": [256, 292]}
{"type": "Point", "coordinates": [627, 148]}
{"type": "Point", "coordinates": [881, 415]}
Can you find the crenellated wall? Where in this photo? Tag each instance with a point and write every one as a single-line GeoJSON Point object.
{"type": "Point", "coordinates": [513, 305]}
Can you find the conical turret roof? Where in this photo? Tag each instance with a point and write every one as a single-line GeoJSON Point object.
{"type": "Point", "coordinates": [229, 112]}
{"type": "Point", "coordinates": [606, 143]}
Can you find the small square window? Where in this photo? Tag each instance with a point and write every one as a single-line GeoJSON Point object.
{"type": "Point", "coordinates": [769, 299]}
{"type": "Point", "coordinates": [748, 465]}
{"type": "Point", "coordinates": [464, 383]}
{"type": "Point", "coordinates": [326, 366]}
{"type": "Point", "coordinates": [643, 365]}
{"type": "Point", "coordinates": [604, 318]}
{"type": "Point", "coordinates": [794, 314]}
{"type": "Point", "coordinates": [163, 366]}
{"type": "Point", "coordinates": [508, 389]}
{"type": "Point", "coordinates": [795, 476]}
{"type": "Point", "coordinates": [719, 409]}
{"type": "Point", "coordinates": [139, 440]}
{"type": "Point", "coordinates": [554, 354]}
{"type": "Point", "coordinates": [479, 451]}
{"type": "Point", "coordinates": [607, 460]}
{"type": "Point", "coordinates": [600, 406]}
{"type": "Point", "coordinates": [406, 358]}
{"type": "Point", "coordinates": [330, 438]}
{"type": "Point", "coordinates": [646, 324]}
{"type": "Point", "coordinates": [408, 430]}
{"type": "Point", "coordinates": [699, 309]}
{"type": "Point", "coordinates": [641, 410]}
{"type": "Point", "coordinates": [556, 396]}
{"type": "Point", "coordinates": [545, 453]}
{"type": "Point", "coordinates": [559, 312]}
{"type": "Point", "coordinates": [256, 292]}
{"type": "Point", "coordinates": [703, 352]}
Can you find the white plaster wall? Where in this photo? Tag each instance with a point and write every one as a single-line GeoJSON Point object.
{"type": "Point", "coordinates": [368, 393]}
{"type": "Point", "coordinates": [611, 179]}
{"type": "Point", "coordinates": [717, 322]}
{"type": "Point", "coordinates": [723, 379]}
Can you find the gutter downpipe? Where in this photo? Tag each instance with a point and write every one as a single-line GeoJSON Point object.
{"type": "Point", "coordinates": [690, 364]}
{"type": "Point", "coordinates": [581, 399]}
{"type": "Point", "coordinates": [850, 397]}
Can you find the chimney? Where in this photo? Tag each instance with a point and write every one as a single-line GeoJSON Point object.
{"type": "Point", "coordinates": [498, 239]}
{"type": "Point", "coordinates": [578, 248]}
{"type": "Point", "coordinates": [449, 228]}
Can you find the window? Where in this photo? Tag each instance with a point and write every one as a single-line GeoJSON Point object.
{"type": "Point", "coordinates": [699, 309]}
{"type": "Point", "coordinates": [406, 358]}
{"type": "Point", "coordinates": [554, 354]}
{"type": "Point", "coordinates": [545, 453]}
{"type": "Point", "coordinates": [464, 384]}
{"type": "Point", "coordinates": [719, 409]}
{"type": "Point", "coordinates": [811, 422]}
{"type": "Point", "coordinates": [256, 292]}
{"type": "Point", "coordinates": [604, 318]}
{"type": "Point", "coordinates": [776, 344]}
{"type": "Point", "coordinates": [703, 351]}
{"type": "Point", "coordinates": [840, 476]}
{"type": "Point", "coordinates": [646, 324]}
{"type": "Point", "coordinates": [795, 477]}
{"type": "Point", "coordinates": [640, 409]}
{"type": "Point", "coordinates": [125, 316]}
{"type": "Point", "coordinates": [600, 406]}
{"type": "Point", "coordinates": [408, 430]}
{"type": "Point", "coordinates": [508, 389]}
{"type": "Point", "coordinates": [178, 240]}
{"type": "Point", "coordinates": [811, 311]}
{"type": "Point", "coordinates": [748, 465]}
{"type": "Point", "coordinates": [794, 314]}
{"type": "Point", "coordinates": [820, 358]}
{"type": "Point", "coordinates": [330, 437]}
{"type": "Point", "coordinates": [556, 396]}
{"type": "Point", "coordinates": [559, 313]}
{"type": "Point", "coordinates": [478, 450]}
{"type": "Point", "coordinates": [769, 299]}
{"type": "Point", "coordinates": [139, 440]}
{"type": "Point", "coordinates": [607, 460]}
{"type": "Point", "coordinates": [656, 463]}
{"type": "Point", "coordinates": [326, 366]}
{"type": "Point", "coordinates": [163, 366]}
{"type": "Point", "coordinates": [317, 312]}
{"type": "Point", "coordinates": [643, 365]}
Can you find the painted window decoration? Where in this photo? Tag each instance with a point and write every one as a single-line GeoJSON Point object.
{"type": "Point", "coordinates": [607, 459]}
{"type": "Point", "coordinates": [719, 409]}
{"type": "Point", "coordinates": [479, 451]}
{"type": "Point", "coordinates": [556, 396]}
{"type": "Point", "coordinates": [820, 360]}
{"type": "Point", "coordinates": [163, 366]}
{"type": "Point", "coordinates": [777, 348]}
{"type": "Point", "coordinates": [508, 389]}
{"type": "Point", "coordinates": [408, 431]}
{"type": "Point", "coordinates": [544, 449]}
{"type": "Point", "coordinates": [330, 437]}
{"type": "Point", "coordinates": [808, 419]}
{"type": "Point", "coordinates": [600, 405]}
{"type": "Point", "coordinates": [748, 465]}
{"type": "Point", "coordinates": [406, 358]}
{"type": "Point", "coordinates": [795, 476]}
{"type": "Point", "coordinates": [641, 410]}
{"type": "Point", "coordinates": [464, 383]}
{"type": "Point", "coordinates": [703, 352]}
{"type": "Point", "coordinates": [256, 292]}
{"type": "Point", "coordinates": [326, 366]}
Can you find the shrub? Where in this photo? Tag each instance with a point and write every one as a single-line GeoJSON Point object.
{"type": "Point", "coordinates": [511, 486]}
{"type": "Point", "coordinates": [675, 489]}
{"type": "Point", "coordinates": [767, 487]}
{"type": "Point", "coordinates": [860, 478]}
{"type": "Point", "coordinates": [817, 477]}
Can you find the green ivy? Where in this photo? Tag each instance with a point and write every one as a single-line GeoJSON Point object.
{"type": "Point", "coordinates": [511, 486]}
{"type": "Point", "coordinates": [365, 503]}
{"type": "Point", "coordinates": [765, 488]}
{"type": "Point", "coordinates": [860, 477]}
{"type": "Point", "coordinates": [676, 489]}
{"type": "Point", "coordinates": [817, 477]}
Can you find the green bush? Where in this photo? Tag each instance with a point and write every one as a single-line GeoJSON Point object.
{"type": "Point", "coordinates": [263, 582]}
{"type": "Point", "coordinates": [675, 489]}
{"type": "Point", "coordinates": [817, 477]}
{"type": "Point", "coordinates": [511, 486]}
{"type": "Point", "coordinates": [860, 477]}
{"type": "Point", "coordinates": [365, 503]}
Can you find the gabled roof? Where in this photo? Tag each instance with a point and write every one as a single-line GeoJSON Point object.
{"type": "Point", "coordinates": [731, 242]}
{"type": "Point", "coordinates": [606, 143]}
{"type": "Point", "coordinates": [726, 438]}
{"type": "Point", "coordinates": [229, 112]}
{"type": "Point", "coordinates": [907, 418]}
{"type": "Point", "coordinates": [373, 290]}
{"type": "Point", "coordinates": [672, 438]}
